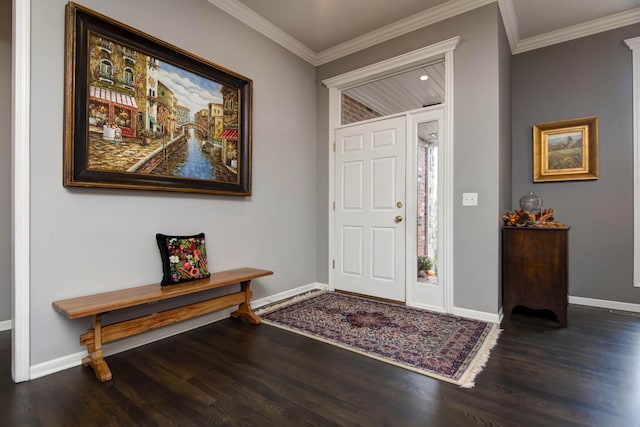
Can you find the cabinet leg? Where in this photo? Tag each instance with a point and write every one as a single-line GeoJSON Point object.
{"type": "Point", "coordinates": [506, 313]}
{"type": "Point", "coordinates": [562, 317]}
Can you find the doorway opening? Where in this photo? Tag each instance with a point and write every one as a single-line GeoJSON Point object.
{"type": "Point", "coordinates": [370, 91]}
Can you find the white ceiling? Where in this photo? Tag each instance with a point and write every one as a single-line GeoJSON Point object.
{"type": "Point", "coordinates": [321, 24]}
{"type": "Point", "coordinates": [320, 31]}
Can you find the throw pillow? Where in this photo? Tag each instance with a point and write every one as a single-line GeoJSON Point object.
{"type": "Point", "coordinates": [183, 258]}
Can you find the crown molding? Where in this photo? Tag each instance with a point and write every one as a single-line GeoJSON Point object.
{"type": "Point", "coordinates": [510, 22]}
{"type": "Point", "coordinates": [595, 26]}
{"type": "Point", "coordinates": [247, 16]}
{"type": "Point", "coordinates": [428, 17]}
{"type": "Point", "coordinates": [425, 18]}
{"type": "Point", "coordinates": [419, 20]}
{"type": "Point", "coordinates": [633, 43]}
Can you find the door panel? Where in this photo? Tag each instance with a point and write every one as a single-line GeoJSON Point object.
{"type": "Point", "coordinates": [353, 182]}
{"type": "Point", "coordinates": [383, 265]}
{"type": "Point", "coordinates": [352, 249]}
{"type": "Point", "coordinates": [369, 183]}
{"type": "Point", "coordinates": [383, 180]}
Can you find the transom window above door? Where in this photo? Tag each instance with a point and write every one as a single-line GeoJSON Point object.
{"type": "Point", "coordinates": [404, 91]}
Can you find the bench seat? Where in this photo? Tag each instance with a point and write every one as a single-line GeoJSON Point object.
{"type": "Point", "coordinates": [97, 305]}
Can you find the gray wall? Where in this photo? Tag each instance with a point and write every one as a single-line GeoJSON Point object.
{"type": "Point", "coordinates": [85, 241]}
{"type": "Point", "coordinates": [591, 76]}
{"type": "Point", "coordinates": [478, 144]}
{"type": "Point", "coordinates": [90, 240]}
{"type": "Point", "coordinates": [5, 160]}
{"type": "Point", "coordinates": [505, 129]}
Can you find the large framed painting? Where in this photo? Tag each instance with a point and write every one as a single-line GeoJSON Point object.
{"type": "Point", "coordinates": [566, 150]}
{"type": "Point", "coordinates": [143, 114]}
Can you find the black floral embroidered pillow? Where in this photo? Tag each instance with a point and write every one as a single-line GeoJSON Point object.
{"type": "Point", "coordinates": [184, 258]}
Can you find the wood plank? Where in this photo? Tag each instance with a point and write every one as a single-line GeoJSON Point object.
{"type": "Point", "coordinates": [104, 302]}
{"type": "Point", "coordinates": [135, 326]}
{"type": "Point", "coordinates": [232, 373]}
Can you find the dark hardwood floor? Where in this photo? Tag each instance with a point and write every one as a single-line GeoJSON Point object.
{"type": "Point", "coordinates": [232, 373]}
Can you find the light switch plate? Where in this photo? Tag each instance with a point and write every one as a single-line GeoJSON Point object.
{"type": "Point", "coordinates": [469, 199]}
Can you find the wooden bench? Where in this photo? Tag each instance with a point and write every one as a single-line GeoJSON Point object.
{"type": "Point", "coordinates": [99, 304]}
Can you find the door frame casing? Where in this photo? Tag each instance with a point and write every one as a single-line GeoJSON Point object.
{"type": "Point", "coordinates": [20, 197]}
{"type": "Point", "coordinates": [376, 71]}
{"type": "Point", "coordinates": [634, 45]}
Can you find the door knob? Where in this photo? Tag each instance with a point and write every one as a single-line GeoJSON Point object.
{"type": "Point", "coordinates": [399, 218]}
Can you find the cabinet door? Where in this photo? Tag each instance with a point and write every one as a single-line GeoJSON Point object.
{"type": "Point", "coordinates": [535, 270]}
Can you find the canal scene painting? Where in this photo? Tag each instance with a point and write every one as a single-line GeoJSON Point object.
{"type": "Point", "coordinates": [156, 117]}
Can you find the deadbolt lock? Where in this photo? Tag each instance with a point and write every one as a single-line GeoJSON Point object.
{"type": "Point", "coordinates": [399, 205]}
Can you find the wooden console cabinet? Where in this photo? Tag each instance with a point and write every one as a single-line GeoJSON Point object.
{"type": "Point", "coordinates": [534, 270]}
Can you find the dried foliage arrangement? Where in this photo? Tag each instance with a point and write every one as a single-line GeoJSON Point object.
{"type": "Point", "coordinates": [523, 218]}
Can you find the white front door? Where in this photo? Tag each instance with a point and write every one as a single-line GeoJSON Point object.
{"type": "Point", "coordinates": [369, 209]}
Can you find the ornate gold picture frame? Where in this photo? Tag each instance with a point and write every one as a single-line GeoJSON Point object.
{"type": "Point", "coordinates": [566, 150]}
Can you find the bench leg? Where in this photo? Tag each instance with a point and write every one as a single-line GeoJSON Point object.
{"type": "Point", "coordinates": [94, 347]}
{"type": "Point", "coordinates": [245, 307]}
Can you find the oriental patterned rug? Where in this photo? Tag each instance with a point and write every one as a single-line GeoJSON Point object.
{"type": "Point", "coordinates": [442, 346]}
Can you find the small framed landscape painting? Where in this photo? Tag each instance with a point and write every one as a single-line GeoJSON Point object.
{"type": "Point", "coordinates": [566, 150]}
{"type": "Point", "coordinates": [143, 114]}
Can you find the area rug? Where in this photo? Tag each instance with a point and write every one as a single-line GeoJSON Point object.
{"type": "Point", "coordinates": [442, 346]}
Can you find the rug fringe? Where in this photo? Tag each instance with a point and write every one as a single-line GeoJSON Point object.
{"type": "Point", "coordinates": [482, 357]}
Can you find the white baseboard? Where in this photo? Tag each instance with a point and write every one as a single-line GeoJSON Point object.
{"type": "Point", "coordinates": [462, 312]}
{"type": "Point", "coordinates": [6, 325]}
{"type": "Point", "coordinates": [73, 360]}
{"type": "Point", "coordinates": [478, 315]}
{"type": "Point", "coordinates": [601, 303]}
{"type": "Point", "coordinates": [426, 307]}
{"type": "Point", "coordinates": [287, 294]}
{"type": "Point", "coordinates": [56, 365]}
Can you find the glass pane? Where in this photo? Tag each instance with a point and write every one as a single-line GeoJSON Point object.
{"type": "Point", "coordinates": [427, 202]}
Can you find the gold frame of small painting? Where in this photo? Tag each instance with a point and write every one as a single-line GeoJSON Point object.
{"type": "Point", "coordinates": [566, 150]}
